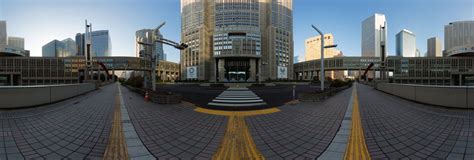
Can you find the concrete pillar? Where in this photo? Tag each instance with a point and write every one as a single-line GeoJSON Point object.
{"type": "Point", "coordinates": [253, 70]}
{"type": "Point", "coordinates": [221, 70]}
{"type": "Point", "coordinates": [11, 79]}
{"type": "Point", "coordinates": [460, 79]}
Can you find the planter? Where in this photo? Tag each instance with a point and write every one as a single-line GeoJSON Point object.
{"type": "Point", "coordinates": [320, 96]}
{"type": "Point", "coordinates": [158, 97]}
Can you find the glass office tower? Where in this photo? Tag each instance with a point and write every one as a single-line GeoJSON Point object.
{"type": "Point", "coordinates": [101, 44]}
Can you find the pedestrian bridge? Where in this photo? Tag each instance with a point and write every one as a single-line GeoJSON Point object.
{"type": "Point", "coordinates": [60, 70]}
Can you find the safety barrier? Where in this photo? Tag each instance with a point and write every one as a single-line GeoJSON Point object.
{"type": "Point", "coordinates": [12, 97]}
{"type": "Point", "coordinates": [447, 96]}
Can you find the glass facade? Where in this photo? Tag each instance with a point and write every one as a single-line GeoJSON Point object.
{"type": "Point", "coordinates": [54, 48]}
{"type": "Point", "coordinates": [406, 44]}
{"type": "Point", "coordinates": [101, 44]}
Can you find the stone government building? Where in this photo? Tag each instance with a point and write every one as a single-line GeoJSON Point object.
{"type": "Point", "coordinates": [237, 40]}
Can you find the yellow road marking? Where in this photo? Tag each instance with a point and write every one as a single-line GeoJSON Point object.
{"type": "Point", "coordinates": [116, 147]}
{"type": "Point", "coordinates": [356, 148]}
{"type": "Point", "coordinates": [237, 142]}
{"type": "Point", "coordinates": [237, 113]}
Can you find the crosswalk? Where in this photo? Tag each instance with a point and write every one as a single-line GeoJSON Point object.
{"type": "Point", "coordinates": [237, 97]}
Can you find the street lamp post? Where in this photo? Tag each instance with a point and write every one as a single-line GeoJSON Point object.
{"type": "Point", "coordinates": [322, 75]}
{"type": "Point", "coordinates": [156, 38]}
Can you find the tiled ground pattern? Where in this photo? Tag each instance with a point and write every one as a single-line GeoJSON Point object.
{"type": "Point", "coordinates": [175, 131]}
{"type": "Point", "coordinates": [302, 131]}
{"type": "Point", "coordinates": [73, 129]}
{"type": "Point", "coordinates": [396, 128]}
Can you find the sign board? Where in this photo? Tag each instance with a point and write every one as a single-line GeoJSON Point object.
{"type": "Point", "coordinates": [282, 72]}
{"type": "Point", "coordinates": [192, 72]}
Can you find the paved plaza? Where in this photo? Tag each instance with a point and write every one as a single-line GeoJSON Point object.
{"type": "Point", "coordinates": [396, 128]}
{"type": "Point", "coordinates": [85, 127]}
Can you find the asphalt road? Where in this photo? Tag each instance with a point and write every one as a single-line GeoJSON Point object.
{"type": "Point", "coordinates": [274, 96]}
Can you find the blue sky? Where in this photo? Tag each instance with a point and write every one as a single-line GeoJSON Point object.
{"type": "Point", "coordinates": [42, 21]}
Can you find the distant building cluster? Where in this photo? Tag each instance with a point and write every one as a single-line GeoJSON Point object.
{"type": "Point", "coordinates": [101, 46]}
{"type": "Point", "coordinates": [146, 35]}
{"type": "Point", "coordinates": [11, 46]}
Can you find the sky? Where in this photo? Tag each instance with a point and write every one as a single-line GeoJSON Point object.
{"type": "Point", "coordinates": [41, 21]}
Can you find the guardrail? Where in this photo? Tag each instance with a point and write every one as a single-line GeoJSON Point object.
{"type": "Point", "coordinates": [447, 96]}
{"type": "Point", "coordinates": [12, 97]}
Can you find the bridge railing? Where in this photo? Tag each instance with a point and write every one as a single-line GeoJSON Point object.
{"type": "Point", "coordinates": [447, 96]}
{"type": "Point", "coordinates": [28, 96]}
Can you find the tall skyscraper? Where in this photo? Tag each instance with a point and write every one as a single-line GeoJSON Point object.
{"type": "Point", "coordinates": [80, 44]}
{"type": "Point", "coordinates": [406, 44]}
{"type": "Point", "coordinates": [101, 44]}
{"type": "Point", "coordinates": [374, 36]}
{"type": "Point", "coordinates": [145, 35]}
{"type": "Point", "coordinates": [459, 38]}
{"type": "Point", "coordinates": [313, 47]}
{"type": "Point", "coordinates": [3, 33]}
{"type": "Point", "coordinates": [54, 48]}
{"type": "Point", "coordinates": [235, 40]}
{"type": "Point", "coordinates": [16, 42]}
{"type": "Point", "coordinates": [434, 47]}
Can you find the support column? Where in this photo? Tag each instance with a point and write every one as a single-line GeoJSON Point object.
{"type": "Point", "coordinates": [460, 79]}
{"type": "Point", "coordinates": [11, 79]}
{"type": "Point", "coordinates": [253, 70]}
{"type": "Point", "coordinates": [221, 70]}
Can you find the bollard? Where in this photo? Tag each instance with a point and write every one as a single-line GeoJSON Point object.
{"type": "Point", "coordinates": [146, 96]}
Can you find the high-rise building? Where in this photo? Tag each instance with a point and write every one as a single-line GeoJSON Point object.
{"type": "Point", "coordinates": [374, 36]}
{"type": "Point", "coordinates": [459, 39]}
{"type": "Point", "coordinates": [434, 47]}
{"type": "Point", "coordinates": [145, 35]}
{"type": "Point", "coordinates": [55, 48]}
{"type": "Point", "coordinates": [406, 44]}
{"type": "Point", "coordinates": [70, 46]}
{"type": "Point", "coordinates": [418, 53]}
{"type": "Point", "coordinates": [313, 47]}
{"type": "Point", "coordinates": [16, 42]}
{"type": "Point", "coordinates": [3, 33]}
{"type": "Point", "coordinates": [236, 40]}
{"type": "Point", "coordinates": [80, 44]}
{"type": "Point", "coordinates": [101, 44]}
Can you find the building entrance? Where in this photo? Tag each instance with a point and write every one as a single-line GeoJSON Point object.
{"type": "Point", "coordinates": [236, 69]}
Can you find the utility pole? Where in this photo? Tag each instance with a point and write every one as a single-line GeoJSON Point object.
{"type": "Point", "coordinates": [156, 38]}
{"type": "Point", "coordinates": [322, 74]}
{"type": "Point", "coordinates": [87, 50]}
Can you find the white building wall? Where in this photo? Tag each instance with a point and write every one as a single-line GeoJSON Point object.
{"type": "Point", "coordinates": [16, 42]}
{"type": "Point", "coordinates": [372, 36]}
{"type": "Point", "coordinates": [406, 44]}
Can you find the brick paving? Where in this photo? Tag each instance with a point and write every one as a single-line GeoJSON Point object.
{"type": "Point", "coordinates": [396, 128]}
{"type": "Point", "coordinates": [299, 131]}
{"type": "Point", "coordinates": [175, 131]}
{"type": "Point", "coordinates": [77, 128]}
